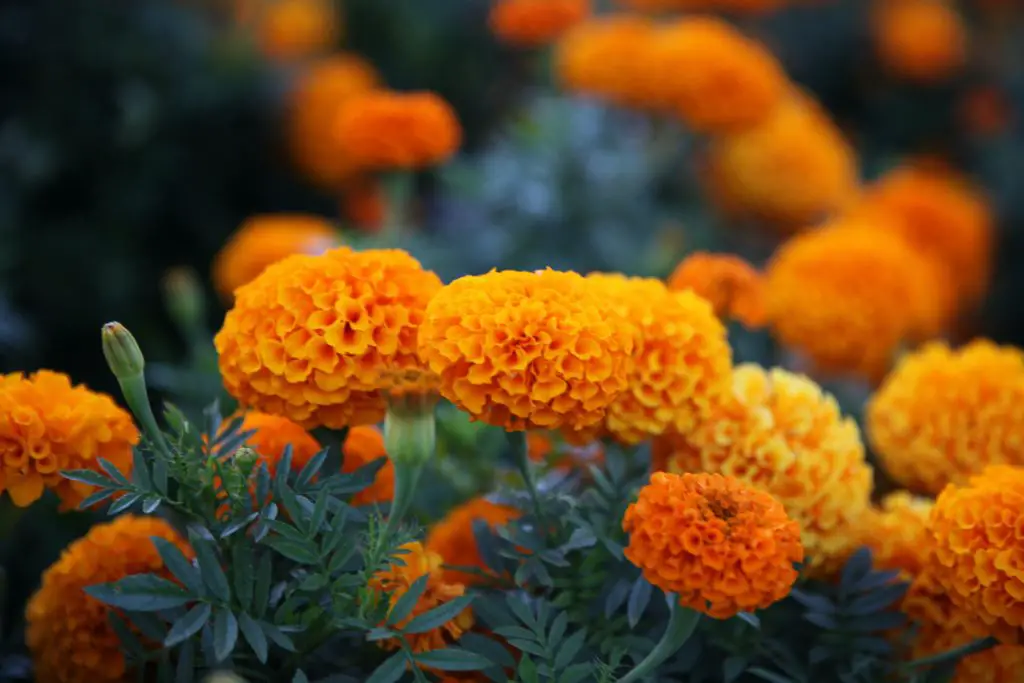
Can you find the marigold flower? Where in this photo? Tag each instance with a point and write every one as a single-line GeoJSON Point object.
{"type": "Point", "coordinates": [294, 29]}
{"type": "Point", "coordinates": [48, 426]}
{"type": "Point", "coordinates": [382, 131]}
{"type": "Point", "coordinates": [734, 288]}
{"type": "Point", "coordinates": [452, 537]}
{"type": "Point", "coordinates": [793, 168]}
{"type": "Point", "coordinates": [316, 338]}
{"type": "Point", "coordinates": [976, 552]}
{"type": "Point", "coordinates": [921, 40]}
{"type": "Point", "coordinates": [364, 445]}
{"type": "Point", "coordinates": [68, 633]}
{"type": "Point", "coordinates": [722, 546]}
{"type": "Point", "coordinates": [780, 433]}
{"type": "Point", "coordinates": [897, 533]}
{"type": "Point", "coordinates": [944, 415]}
{"type": "Point", "coordinates": [682, 360]}
{"type": "Point", "coordinates": [273, 434]}
{"type": "Point", "coordinates": [364, 205]}
{"type": "Point", "coordinates": [400, 576]}
{"type": "Point", "coordinates": [940, 215]}
{"type": "Point", "coordinates": [519, 350]}
{"type": "Point", "coordinates": [262, 240]}
{"type": "Point", "coordinates": [848, 296]}
{"type": "Point", "coordinates": [602, 57]}
{"type": "Point", "coordinates": [313, 108]}
{"type": "Point", "coordinates": [531, 23]}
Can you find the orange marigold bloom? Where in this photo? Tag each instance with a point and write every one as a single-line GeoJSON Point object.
{"type": "Point", "coordinates": [921, 40]}
{"type": "Point", "coordinates": [402, 574]}
{"type": "Point", "coordinates": [602, 57]}
{"type": "Point", "coordinates": [48, 426]}
{"type": "Point", "coordinates": [793, 168]}
{"type": "Point", "coordinates": [940, 215]}
{"type": "Point", "coordinates": [273, 434]}
{"type": "Point", "coordinates": [848, 296]}
{"type": "Point", "coordinates": [780, 433]}
{"type": "Point", "coordinates": [531, 23]}
{"type": "Point", "coordinates": [897, 533]}
{"type": "Point", "coordinates": [68, 633]}
{"type": "Point", "coordinates": [734, 288]}
{"type": "Point", "coordinates": [316, 338]}
{"type": "Point", "coordinates": [313, 108]}
{"type": "Point", "coordinates": [382, 130]}
{"type": "Point", "coordinates": [452, 537]}
{"type": "Point", "coordinates": [364, 445]}
{"type": "Point", "coordinates": [519, 350]}
{"type": "Point", "coordinates": [262, 240]}
{"type": "Point", "coordinates": [682, 359]}
{"type": "Point", "coordinates": [977, 553]}
{"type": "Point", "coordinates": [294, 29]}
{"type": "Point", "coordinates": [944, 415]}
{"type": "Point", "coordinates": [364, 205]}
{"type": "Point", "coordinates": [722, 546]}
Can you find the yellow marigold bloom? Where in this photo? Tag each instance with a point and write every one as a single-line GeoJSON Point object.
{"type": "Point", "coordinates": [452, 537]}
{"type": "Point", "coordinates": [602, 58]}
{"type": "Point", "coordinates": [722, 546]}
{"type": "Point", "coordinates": [734, 288]}
{"type": "Point", "coordinates": [897, 533]}
{"type": "Point", "coordinates": [940, 215]}
{"type": "Point", "coordinates": [48, 426]}
{"type": "Point", "coordinates": [921, 40]}
{"type": "Point", "coordinates": [262, 240]}
{"type": "Point", "coordinates": [294, 29]}
{"type": "Point", "coordinates": [363, 445]}
{"type": "Point", "coordinates": [793, 167]}
{"type": "Point", "coordinates": [402, 574]}
{"type": "Point", "coordinates": [273, 434]}
{"type": "Point", "coordinates": [977, 552]}
{"type": "Point", "coordinates": [714, 78]}
{"type": "Point", "coordinates": [682, 359]}
{"type": "Point", "coordinates": [382, 130]}
{"type": "Point", "coordinates": [316, 338]}
{"type": "Point", "coordinates": [519, 350]}
{"type": "Point", "coordinates": [313, 108]}
{"type": "Point", "coordinates": [780, 433]}
{"type": "Point", "coordinates": [944, 415]}
{"type": "Point", "coordinates": [848, 296]}
{"type": "Point", "coordinates": [531, 23]}
{"type": "Point", "coordinates": [67, 632]}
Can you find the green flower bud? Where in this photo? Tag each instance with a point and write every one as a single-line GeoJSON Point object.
{"type": "Point", "coordinates": [122, 352]}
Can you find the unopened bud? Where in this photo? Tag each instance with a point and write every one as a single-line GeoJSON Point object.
{"type": "Point", "coordinates": [122, 352]}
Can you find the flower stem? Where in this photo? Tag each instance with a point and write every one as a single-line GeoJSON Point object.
{"type": "Point", "coordinates": [410, 439]}
{"type": "Point", "coordinates": [681, 625]}
{"type": "Point", "coordinates": [399, 190]}
{"type": "Point", "coordinates": [521, 457]}
{"type": "Point", "coordinates": [955, 654]}
{"type": "Point", "coordinates": [126, 362]}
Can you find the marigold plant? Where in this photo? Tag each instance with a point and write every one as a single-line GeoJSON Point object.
{"type": "Point", "coordinates": [782, 434]}
{"type": "Point", "coordinates": [528, 350]}
{"type": "Point", "coordinates": [453, 539]}
{"type": "Point", "coordinates": [734, 288]}
{"type": "Point", "coordinates": [602, 58]}
{"type": "Point", "coordinates": [47, 426]}
{"type": "Point", "coordinates": [396, 580]}
{"type": "Point", "coordinates": [530, 23]}
{"type": "Point", "coordinates": [944, 414]}
{"type": "Point", "coordinates": [316, 338]}
{"type": "Point", "coordinates": [262, 240]}
{"type": "Point", "coordinates": [364, 445]}
{"type": "Point", "coordinates": [721, 545]}
{"type": "Point", "coordinates": [68, 632]}
{"type": "Point", "coordinates": [383, 130]}
{"type": "Point", "coordinates": [921, 40]}
{"type": "Point", "coordinates": [295, 29]}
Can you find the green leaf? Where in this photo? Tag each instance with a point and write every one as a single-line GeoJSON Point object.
{"type": "Point", "coordinates": [130, 643]}
{"type": "Point", "coordinates": [856, 569]}
{"type": "Point", "coordinates": [557, 631]}
{"type": "Point", "coordinates": [284, 468]}
{"type": "Point", "coordinates": [160, 475]}
{"type": "Point", "coordinates": [488, 648]}
{"type": "Point", "coordinates": [148, 624]}
{"type": "Point", "coordinates": [225, 633]}
{"type": "Point", "coordinates": [185, 670]}
{"type": "Point", "coordinates": [316, 520]}
{"type": "Point", "coordinates": [277, 636]}
{"type": "Point", "coordinates": [241, 566]}
{"type": "Point", "coordinates": [452, 659]}
{"type": "Point", "coordinates": [302, 552]}
{"type": "Point", "coordinates": [390, 670]}
{"type": "Point", "coordinates": [438, 616]}
{"type": "Point", "coordinates": [770, 676]}
{"type": "Point", "coordinates": [314, 583]}
{"type": "Point", "coordinates": [179, 566]}
{"type": "Point", "coordinates": [90, 477]}
{"type": "Point", "coordinates": [111, 469]}
{"type": "Point", "coordinates": [261, 591]}
{"type": "Point", "coordinates": [209, 566]}
{"type": "Point", "coordinates": [336, 537]}
{"type": "Point", "coordinates": [876, 600]}
{"type": "Point", "coordinates": [733, 668]}
{"type": "Point", "coordinates": [523, 613]}
{"type": "Point", "coordinates": [253, 635]}
{"type": "Point", "coordinates": [188, 625]}
{"type": "Point", "coordinates": [527, 670]}
{"type": "Point", "coordinates": [639, 598]}
{"type": "Point", "coordinates": [300, 677]}
{"type": "Point", "coordinates": [141, 593]}
{"type": "Point", "coordinates": [239, 524]}
{"type": "Point", "coordinates": [123, 503]}
{"type": "Point", "coordinates": [576, 673]}
{"type": "Point", "coordinates": [95, 498]}
{"type": "Point", "coordinates": [570, 647]}
{"type": "Point", "coordinates": [150, 504]}
{"type": "Point", "coordinates": [404, 605]}
{"type": "Point", "coordinates": [310, 470]}
{"type": "Point", "coordinates": [140, 471]}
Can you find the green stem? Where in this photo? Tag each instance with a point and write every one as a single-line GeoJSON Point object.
{"type": "Point", "coordinates": [681, 625]}
{"type": "Point", "coordinates": [955, 654]}
{"type": "Point", "coordinates": [521, 457]}
{"type": "Point", "coordinates": [137, 397]}
{"type": "Point", "coordinates": [410, 439]}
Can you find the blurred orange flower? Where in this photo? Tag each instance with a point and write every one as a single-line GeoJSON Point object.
{"type": "Point", "coordinates": [364, 445]}
{"type": "Point", "coordinates": [601, 58]}
{"type": "Point", "coordinates": [453, 539]}
{"type": "Point", "coordinates": [295, 29]}
{"type": "Point", "coordinates": [921, 40]}
{"type": "Point", "coordinates": [363, 204]}
{"type": "Point", "coordinates": [897, 533]}
{"type": "Point", "coordinates": [734, 288]}
{"type": "Point", "coordinates": [530, 23]}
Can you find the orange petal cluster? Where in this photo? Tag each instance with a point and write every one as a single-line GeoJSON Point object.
{"type": "Point", "coordinates": [67, 632]}
{"type": "Point", "coordinates": [295, 29]}
{"type": "Point", "coordinates": [944, 415]}
{"type": "Point", "coordinates": [602, 58]}
{"type": "Point", "coordinates": [780, 433]}
{"type": "Point", "coordinates": [682, 359]}
{"type": "Point", "coordinates": [364, 445]}
{"type": "Point", "coordinates": [273, 434]}
{"type": "Point", "coordinates": [920, 40]}
{"type": "Point", "coordinates": [721, 545]}
{"type": "Point", "coordinates": [977, 553]}
{"type": "Point", "coordinates": [897, 533]}
{"type": "Point", "coordinates": [387, 131]}
{"type": "Point", "coordinates": [848, 295]}
{"type": "Point", "coordinates": [313, 107]}
{"type": "Point", "coordinates": [734, 288]}
{"type": "Point", "coordinates": [47, 425]}
{"type": "Point", "coordinates": [524, 350]}
{"type": "Point", "coordinates": [316, 338]}
{"type": "Point", "coordinates": [452, 537]}
{"type": "Point", "coordinates": [395, 581]}
{"type": "Point", "coordinates": [263, 240]}
{"type": "Point", "coordinates": [532, 23]}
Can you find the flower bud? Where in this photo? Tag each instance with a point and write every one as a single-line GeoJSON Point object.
{"type": "Point", "coordinates": [124, 357]}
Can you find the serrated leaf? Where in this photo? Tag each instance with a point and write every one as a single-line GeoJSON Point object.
{"type": "Point", "coordinates": [302, 552]}
{"type": "Point", "coordinates": [569, 648]}
{"type": "Point", "coordinates": [639, 598]}
{"type": "Point", "coordinates": [390, 670]}
{"type": "Point", "coordinates": [438, 616]}
{"type": "Point", "coordinates": [188, 625]}
{"type": "Point", "coordinates": [179, 565]}
{"type": "Point", "coordinates": [242, 570]}
{"type": "Point", "coordinates": [253, 635]}
{"type": "Point", "coordinates": [209, 566]}
{"type": "Point", "coordinates": [261, 591]}
{"type": "Point", "coordinates": [452, 659]}
{"type": "Point", "coordinates": [225, 633]}
{"type": "Point", "coordinates": [407, 601]}
{"type": "Point", "coordinates": [141, 593]}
